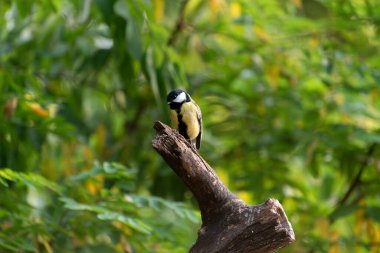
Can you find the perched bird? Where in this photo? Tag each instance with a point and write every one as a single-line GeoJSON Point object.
{"type": "Point", "coordinates": [186, 116]}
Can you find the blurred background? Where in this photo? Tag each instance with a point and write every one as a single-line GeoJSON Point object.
{"type": "Point", "coordinates": [290, 96]}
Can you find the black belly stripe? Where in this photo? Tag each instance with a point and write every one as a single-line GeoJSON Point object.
{"type": "Point", "coordinates": [182, 128]}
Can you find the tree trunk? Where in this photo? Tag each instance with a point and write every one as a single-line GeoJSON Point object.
{"type": "Point", "coordinates": [228, 224]}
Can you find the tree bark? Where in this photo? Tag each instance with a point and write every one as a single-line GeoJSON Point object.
{"type": "Point", "coordinates": [228, 224]}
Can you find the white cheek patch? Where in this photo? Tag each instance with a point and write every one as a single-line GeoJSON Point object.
{"type": "Point", "coordinates": [180, 98]}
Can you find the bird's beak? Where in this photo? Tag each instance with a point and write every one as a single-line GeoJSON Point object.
{"type": "Point", "coordinates": [169, 103]}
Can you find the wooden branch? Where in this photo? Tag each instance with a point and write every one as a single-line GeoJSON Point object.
{"type": "Point", "coordinates": [228, 224]}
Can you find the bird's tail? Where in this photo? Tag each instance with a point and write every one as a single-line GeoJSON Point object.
{"type": "Point", "coordinates": [193, 143]}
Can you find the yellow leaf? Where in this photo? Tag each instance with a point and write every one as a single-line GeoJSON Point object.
{"type": "Point", "coordinates": [359, 222]}
{"type": "Point", "coordinates": [338, 98]}
{"type": "Point", "coordinates": [313, 42]}
{"type": "Point", "coordinates": [95, 185]}
{"type": "Point", "coordinates": [216, 5]}
{"type": "Point", "coordinates": [100, 137]}
{"type": "Point", "coordinates": [29, 96]}
{"type": "Point", "coordinates": [376, 239]}
{"type": "Point", "coordinates": [88, 157]}
{"type": "Point", "coordinates": [273, 74]}
{"type": "Point", "coordinates": [69, 151]}
{"type": "Point", "coordinates": [335, 245]}
{"type": "Point", "coordinates": [261, 34]}
{"type": "Point", "coordinates": [345, 118]}
{"type": "Point", "coordinates": [235, 9]}
{"type": "Point", "coordinates": [92, 187]}
{"type": "Point", "coordinates": [124, 228]}
{"type": "Point", "coordinates": [159, 7]}
{"type": "Point", "coordinates": [323, 227]}
{"type": "Point", "coordinates": [38, 110]}
{"type": "Point", "coordinates": [47, 166]}
{"type": "Point", "coordinates": [123, 245]}
{"type": "Point", "coordinates": [334, 248]}
{"type": "Point", "coordinates": [297, 4]}
{"type": "Point", "coordinates": [370, 228]}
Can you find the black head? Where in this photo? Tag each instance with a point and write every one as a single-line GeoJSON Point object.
{"type": "Point", "coordinates": [177, 96]}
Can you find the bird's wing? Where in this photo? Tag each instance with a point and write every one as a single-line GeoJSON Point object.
{"type": "Point", "coordinates": [199, 137]}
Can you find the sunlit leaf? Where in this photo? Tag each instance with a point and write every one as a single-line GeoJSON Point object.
{"type": "Point", "coordinates": [38, 110]}
{"type": "Point", "coordinates": [29, 179]}
{"type": "Point", "coordinates": [235, 9]}
{"type": "Point", "coordinates": [132, 223]}
{"type": "Point", "coordinates": [159, 7]}
{"type": "Point", "coordinates": [261, 34]}
{"type": "Point", "coordinates": [105, 214]}
{"type": "Point", "coordinates": [216, 5]}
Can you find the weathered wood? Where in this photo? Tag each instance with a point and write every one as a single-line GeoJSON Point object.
{"type": "Point", "coordinates": [228, 224]}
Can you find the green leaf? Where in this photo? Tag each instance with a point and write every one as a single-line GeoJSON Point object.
{"type": "Point", "coordinates": [30, 179]}
{"type": "Point", "coordinates": [87, 174]}
{"type": "Point", "coordinates": [191, 215]}
{"type": "Point", "coordinates": [159, 205]}
{"type": "Point", "coordinates": [133, 223]}
{"type": "Point", "coordinates": [24, 8]}
{"type": "Point", "coordinates": [7, 246]}
{"type": "Point", "coordinates": [150, 66]}
{"type": "Point", "coordinates": [16, 244]}
{"type": "Point", "coordinates": [105, 214]}
{"type": "Point", "coordinates": [109, 170]}
{"type": "Point", "coordinates": [373, 212]}
{"type": "Point", "coordinates": [343, 211]}
{"type": "Point", "coordinates": [73, 205]}
{"type": "Point", "coordinates": [133, 36]}
{"type": "Point", "coordinates": [368, 137]}
{"type": "Point", "coordinates": [314, 9]}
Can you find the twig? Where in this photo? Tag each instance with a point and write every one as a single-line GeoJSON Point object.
{"type": "Point", "coordinates": [357, 180]}
{"type": "Point", "coordinates": [180, 24]}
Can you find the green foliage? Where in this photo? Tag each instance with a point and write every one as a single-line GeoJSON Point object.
{"type": "Point", "coordinates": [29, 179]}
{"type": "Point", "coordinates": [78, 216]}
{"type": "Point", "coordinates": [289, 92]}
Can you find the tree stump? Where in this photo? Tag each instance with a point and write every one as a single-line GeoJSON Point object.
{"type": "Point", "coordinates": [228, 224]}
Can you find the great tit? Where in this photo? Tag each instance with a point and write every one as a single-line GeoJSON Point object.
{"type": "Point", "coordinates": [186, 116]}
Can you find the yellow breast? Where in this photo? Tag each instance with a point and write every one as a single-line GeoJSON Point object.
{"type": "Point", "coordinates": [174, 119]}
{"type": "Point", "coordinates": [190, 118]}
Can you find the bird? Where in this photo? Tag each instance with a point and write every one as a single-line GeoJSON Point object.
{"type": "Point", "coordinates": [185, 116]}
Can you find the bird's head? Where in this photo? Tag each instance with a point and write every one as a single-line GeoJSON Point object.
{"type": "Point", "coordinates": [178, 97]}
